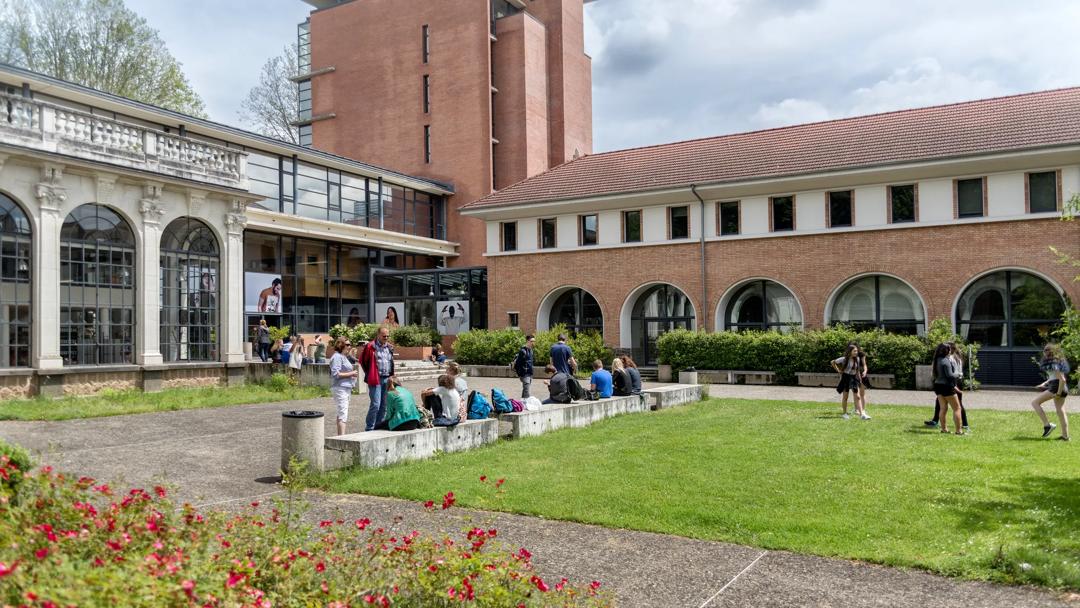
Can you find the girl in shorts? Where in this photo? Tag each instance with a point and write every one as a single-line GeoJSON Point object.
{"type": "Point", "coordinates": [848, 368]}
{"type": "Point", "coordinates": [946, 375]}
{"type": "Point", "coordinates": [1056, 368]}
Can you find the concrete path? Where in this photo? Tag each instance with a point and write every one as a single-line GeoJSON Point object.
{"type": "Point", "coordinates": [229, 457]}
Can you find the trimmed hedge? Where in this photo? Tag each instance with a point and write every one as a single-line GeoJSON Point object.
{"type": "Point", "coordinates": [800, 351]}
{"type": "Point", "coordinates": [499, 346]}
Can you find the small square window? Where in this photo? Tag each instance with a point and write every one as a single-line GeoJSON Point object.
{"type": "Point", "coordinates": [969, 197]}
{"type": "Point", "coordinates": [729, 218]}
{"type": "Point", "coordinates": [631, 226]}
{"type": "Point", "coordinates": [588, 230]}
{"type": "Point", "coordinates": [548, 233]}
{"type": "Point", "coordinates": [513, 320]}
{"type": "Point", "coordinates": [783, 213]}
{"type": "Point", "coordinates": [1042, 192]}
{"type": "Point", "coordinates": [902, 203]}
{"type": "Point", "coordinates": [840, 209]}
{"type": "Point", "coordinates": [509, 236]}
{"type": "Point", "coordinates": [679, 222]}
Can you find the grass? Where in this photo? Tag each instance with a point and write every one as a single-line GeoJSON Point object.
{"type": "Point", "coordinates": [1000, 504]}
{"type": "Point", "coordinates": [116, 403]}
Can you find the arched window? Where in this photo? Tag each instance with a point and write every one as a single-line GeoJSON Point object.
{"type": "Point", "coordinates": [1012, 314]}
{"type": "Point", "coordinates": [97, 287]}
{"type": "Point", "coordinates": [16, 274]}
{"type": "Point", "coordinates": [189, 292]}
{"type": "Point", "coordinates": [661, 308]}
{"type": "Point", "coordinates": [879, 301]}
{"type": "Point", "coordinates": [762, 305]}
{"type": "Point", "coordinates": [578, 310]}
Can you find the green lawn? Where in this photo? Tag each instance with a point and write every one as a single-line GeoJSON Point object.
{"type": "Point", "coordinates": [115, 403]}
{"type": "Point", "coordinates": [999, 504]}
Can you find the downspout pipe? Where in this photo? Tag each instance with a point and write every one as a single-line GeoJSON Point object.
{"type": "Point", "coordinates": [704, 283]}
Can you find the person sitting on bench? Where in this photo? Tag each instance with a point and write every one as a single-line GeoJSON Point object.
{"type": "Point", "coordinates": [443, 401]}
{"type": "Point", "coordinates": [401, 412]}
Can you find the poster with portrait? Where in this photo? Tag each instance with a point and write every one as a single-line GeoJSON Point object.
{"type": "Point", "coordinates": [452, 317]}
{"type": "Point", "coordinates": [202, 287]}
{"type": "Point", "coordinates": [262, 293]}
{"type": "Point", "coordinates": [353, 314]}
{"type": "Point", "coordinates": [390, 314]}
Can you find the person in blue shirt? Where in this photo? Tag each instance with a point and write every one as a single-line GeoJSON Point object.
{"type": "Point", "coordinates": [601, 380]}
{"type": "Point", "coordinates": [562, 357]}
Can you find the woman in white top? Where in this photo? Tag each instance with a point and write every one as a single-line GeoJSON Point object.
{"type": "Point", "coordinates": [343, 378]}
{"type": "Point", "coordinates": [449, 401]}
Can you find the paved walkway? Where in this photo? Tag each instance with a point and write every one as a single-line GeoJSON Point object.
{"type": "Point", "coordinates": [229, 456]}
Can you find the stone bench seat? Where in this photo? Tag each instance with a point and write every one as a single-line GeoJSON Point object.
{"type": "Point", "coordinates": [886, 381]}
{"type": "Point", "coordinates": [663, 397]}
{"type": "Point", "coordinates": [729, 376]}
{"type": "Point", "coordinates": [571, 415]}
{"type": "Point", "coordinates": [381, 448]}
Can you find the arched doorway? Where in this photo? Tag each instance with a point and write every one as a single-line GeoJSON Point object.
{"type": "Point", "coordinates": [16, 287]}
{"type": "Point", "coordinates": [1011, 313]}
{"type": "Point", "coordinates": [761, 305]}
{"type": "Point", "coordinates": [190, 263]}
{"type": "Point", "coordinates": [656, 310]}
{"type": "Point", "coordinates": [573, 307]}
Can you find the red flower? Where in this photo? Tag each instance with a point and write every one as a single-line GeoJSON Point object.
{"type": "Point", "coordinates": [160, 491]}
{"type": "Point", "coordinates": [41, 553]}
{"type": "Point", "coordinates": [326, 523]}
{"type": "Point", "coordinates": [255, 504]}
{"type": "Point", "coordinates": [319, 567]}
{"type": "Point", "coordinates": [448, 500]}
{"type": "Point", "coordinates": [234, 578]}
{"type": "Point", "coordinates": [362, 523]}
{"type": "Point", "coordinates": [500, 482]}
{"type": "Point", "coordinates": [540, 584]}
{"type": "Point", "coordinates": [594, 585]}
{"type": "Point", "coordinates": [429, 504]}
{"type": "Point", "coordinates": [6, 569]}
{"type": "Point", "coordinates": [189, 587]}
{"type": "Point", "coordinates": [483, 478]}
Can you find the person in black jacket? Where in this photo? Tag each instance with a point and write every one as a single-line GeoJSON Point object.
{"type": "Point", "coordinates": [523, 365]}
{"type": "Point", "coordinates": [623, 384]}
{"type": "Point", "coordinates": [635, 375]}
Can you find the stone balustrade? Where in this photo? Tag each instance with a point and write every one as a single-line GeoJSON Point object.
{"type": "Point", "coordinates": [46, 127]}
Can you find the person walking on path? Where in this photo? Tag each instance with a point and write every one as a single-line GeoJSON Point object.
{"type": "Point", "coordinates": [262, 340]}
{"type": "Point", "coordinates": [523, 365]}
{"type": "Point", "coordinates": [378, 363]}
{"type": "Point", "coordinates": [958, 360]}
{"type": "Point", "coordinates": [342, 380]}
{"type": "Point", "coordinates": [946, 374]}
{"type": "Point", "coordinates": [1056, 387]}
{"type": "Point", "coordinates": [848, 368]}
{"type": "Point", "coordinates": [562, 357]}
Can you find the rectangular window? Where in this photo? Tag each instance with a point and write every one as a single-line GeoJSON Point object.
{"type": "Point", "coordinates": [304, 91]}
{"type": "Point", "coordinates": [547, 233]}
{"type": "Point", "coordinates": [902, 204]}
{"type": "Point", "coordinates": [1042, 190]}
{"type": "Point", "coordinates": [970, 197]}
{"type": "Point", "coordinates": [509, 236]}
{"type": "Point", "coordinates": [425, 42]}
{"type": "Point", "coordinates": [631, 226]}
{"type": "Point", "coordinates": [782, 213]}
{"type": "Point", "coordinates": [305, 136]}
{"type": "Point", "coordinates": [729, 218]}
{"type": "Point", "coordinates": [840, 213]}
{"type": "Point", "coordinates": [427, 143]}
{"type": "Point", "coordinates": [588, 230]}
{"type": "Point", "coordinates": [427, 93]}
{"type": "Point", "coordinates": [678, 222]}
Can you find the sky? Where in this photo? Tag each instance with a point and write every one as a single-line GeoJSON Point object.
{"type": "Point", "coordinates": [669, 70]}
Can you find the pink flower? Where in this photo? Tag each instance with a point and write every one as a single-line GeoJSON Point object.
{"type": "Point", "coordinates": [362, 523]}
{"type": "Point", "coordinates": [188, 586]}
{"type": "Point", "coordinates": [41, 553]}
{"type": "Point", "coordinates": [6, 569]}
{"type": "Point", "coordinates": [594, 585]}
{"type": "Point", "coordinates": [448, 500]}
{"type": "Point", "coordinates": [234, 578]}
{"type": "Point", "coordinates": [160, 491]}
{"type": "Point", "coordinates": [319, 567]}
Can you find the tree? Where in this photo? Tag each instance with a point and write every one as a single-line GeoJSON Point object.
{"type": "Point", "coordinates": [97, 43]}
{"type": "Point", "coordinates": [272, 105]}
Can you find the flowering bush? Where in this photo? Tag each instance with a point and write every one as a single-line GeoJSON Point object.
{"type": "Point", "coordinates": [75, 542]}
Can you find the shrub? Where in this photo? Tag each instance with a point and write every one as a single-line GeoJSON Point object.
{"type": "Point", "coordinates": [14, 460]}
{"type": "Point", "coordinates": [586, 346]}
{"type": "Point", "coordinates": [1068, 336]}
{"type": "Point", "coordinates": [280, 333]}
{"type": "Point", "coordinates": [278, 382]}
{"type": "Point", "coordinates": [361, 332]}
{"type": "Point", "coordinates": [414, 335]}
{"type": "Point", "coordinates": [488, 346]}
{"type": "Point", "coordinates": [71, 541]}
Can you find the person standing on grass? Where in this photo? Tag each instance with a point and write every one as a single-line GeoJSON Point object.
{"type": "Point", "coordinates": [864, 385]}
{"type": "Point", "coordinates": [523, 365]}
{"type": "Point", "coordinates": [848, 368]}
{"type": "Point", "coordinates": [1056, 387]}
{"type": "Point", "coordinates": [562, 357]}
{"type": "Point", "coordinates": [635, 375]}
{"type": "Point", "coordinates": [958, 360]}
{"type": "Point", "coordinates": [342, 380]}
{"type": "Point", "coordinates": [262, 339]}
{"type": "Point", "coordinates": [946, 374]}
{"type": "Point", "coordinates": [378, 363]}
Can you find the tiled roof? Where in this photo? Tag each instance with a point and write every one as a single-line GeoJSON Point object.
{"type": "Point", "coordinates": [1016, 122]}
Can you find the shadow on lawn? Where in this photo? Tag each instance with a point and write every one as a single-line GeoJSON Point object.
{"type": "Point", "coordinates": [1038, 520]}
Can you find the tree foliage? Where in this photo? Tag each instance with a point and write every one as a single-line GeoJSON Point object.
{"type": "Point", "coordinates": [97, 43]}
{"type": "Point", "coordinates": [272, 105]}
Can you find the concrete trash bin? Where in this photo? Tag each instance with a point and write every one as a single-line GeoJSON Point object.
{"type": "Point", "coordinates": [302, 436]}
{"type": "Point", "coordinates": [688, 377]}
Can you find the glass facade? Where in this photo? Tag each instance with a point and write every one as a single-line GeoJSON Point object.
{"type": "Point", "coordinates": [190, 265]}
{"type": "Point", "coordinates": [579, 311]}
{"type": "Point", "coordinates": [423, 296]}
{"type": "Point", "coordinates": [879, 301]}
{"type": "Point", "coordinates": [763, 305]}
{"type": "Point", "coordinates": [660, 309]}
{"type": "Point", "coordinates": [97, 288]}
{"type": "Point", "coordinates": [15, 284]}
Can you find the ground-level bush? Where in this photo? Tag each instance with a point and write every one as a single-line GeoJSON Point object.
{"type": "Point", "coordinates": [70, 541]}
{"type": "Point", "coordinates": [801, 351]}
{"type": "Point", "coordinates": [500, 346]}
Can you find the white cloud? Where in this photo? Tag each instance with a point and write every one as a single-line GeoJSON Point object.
{"type": "Point", "coordinates": [790, 112]}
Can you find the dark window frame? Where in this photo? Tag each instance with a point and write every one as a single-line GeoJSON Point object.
{"type": "Point", "coordinates": [554, 223]}
{"type": "Point", "coordinates": [773, 200]}
{"type": "Point", "coordinates": [956, 198]}
{"type": "Point", "coordinates": [425, 42]}
{"type": "Point", "coordinates": [829, 213]}
{"type": "Point", "coordinates": [641, 233]}
{"type": "Point", "coordinates": [503, 233]}
{"type": "Point", "coordinates": [189, 320]}
{"type": "Point", "coordinates": [16, 235]}
{"type": "Point", "coordinates": [427, 144]}
{"type": "Point", "coordinates": [1057, 190]}
{"type": "Point", "coordinates": [671, 223]}
{"type": "Point", "coordinates": [720, 217]}
{"type": "Point", "coordinates": [582, 231]}
{"type": "Point", "coordinates": [890, 209]}
{"type": "Point", "coordinates": [426, 85]}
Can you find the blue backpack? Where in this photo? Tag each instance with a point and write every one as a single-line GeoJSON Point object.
{"type": "Point", "coordinates": [501, 403]}
{"type": "Point", "coordinates": [479, 408]}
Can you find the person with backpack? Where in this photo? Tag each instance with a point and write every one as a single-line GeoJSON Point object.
{"type": "Point", "coordinates": [523, 365]}
{"type": "Point", "coordinates": [623, 383]}
{"type": "Point", "coordinates": [558, 386]}
{"type": "Point", "coordinates": [562, 357]}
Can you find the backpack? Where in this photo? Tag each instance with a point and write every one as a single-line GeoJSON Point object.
{"type": "Point", "coordinates": [479, 408]}
{"type": "Point", "coordinates": [574, 388]}
{"type": "Point", "coordinates": [519, 406]}
{"type": "Point", "coordinates": [500, 402]}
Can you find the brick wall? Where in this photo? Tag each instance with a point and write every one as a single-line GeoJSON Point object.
{"type": "Point", "coordinates": [76, 385]}
{"type": "Point", "coordinates": [193, 378]}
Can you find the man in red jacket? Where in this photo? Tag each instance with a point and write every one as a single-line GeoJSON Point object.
{"type": "Point", "coordinates": [378, 363]}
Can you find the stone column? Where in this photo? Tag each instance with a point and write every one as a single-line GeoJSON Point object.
{"type": "Point", "coordinates": [148, 339]}
{"type": "Point", "coordinates": [232, 287]}
{"type": "Point", "coordinates": [46, 315]}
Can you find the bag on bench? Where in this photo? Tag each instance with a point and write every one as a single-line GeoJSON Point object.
{"type": "Point", "coordinates": [573, 387]}
{"type": "Point", "coordinates": [479, 408]}
{"type": "Point", "coordinates": [499, 401]}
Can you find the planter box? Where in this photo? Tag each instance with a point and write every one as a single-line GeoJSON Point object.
{"type": "Point", "coordinates": [663, 373]}
{"type": "Point", "coordinates": [688, 378]}
{"type": "Point", "coordinates": [727, 376]}
{"type": "Point", "coordinates": [413, 353]}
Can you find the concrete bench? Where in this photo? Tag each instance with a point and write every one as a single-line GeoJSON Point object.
{"type": "Point", "coordinates": [381, 448]}
{"type": "Point", "coordinates": [886, 381]}
{"type": "Point", "coordinates": [729, 376]}
{"type": "Point", "coordinates": [571, 415]}
{"type": "Point", "coordinates": [669, 396]}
